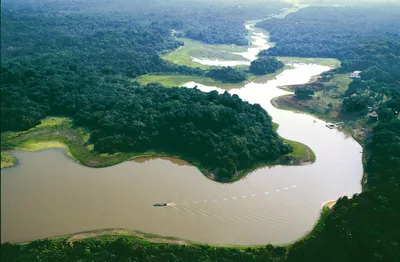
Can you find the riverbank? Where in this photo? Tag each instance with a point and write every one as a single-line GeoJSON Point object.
{"type": "Point", "coordinates": [224, 53]}
{"type": "Point", "coordinates": [191, 48]}
{"type": "Point", "coordinates": [330, 204]}
{"type": "Point", "coordinates": [7, 160]}
{"type": "Point", "coordinates": [120, 232]}
{"type": "Point", "coordinates": [324, 104]}
{"type": "Point", "coordinates": [116, 236]}
{"type": "Point", "coordinates": [59, 132]}
{"type": "Point", "coordinates": [179, 80]}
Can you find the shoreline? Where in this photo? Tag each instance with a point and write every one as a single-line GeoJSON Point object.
{"type": "Point", "coordinates": [140, 236]}
{"type": "Point", "coordinates": [208, 174]}
{"type": "Point", "coordinates": [347, 130]}
{"type": "Point", "coordinates": [329, 204]}
{"type": "Point", "coordinates": [57, 132]}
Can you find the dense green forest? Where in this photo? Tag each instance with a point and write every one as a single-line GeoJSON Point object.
{"type": "Point", "coordinates": [78, 64]}
{"type": "Point", "coordinates": [213, 22]}
{"type": "Point", "coordinates": [227, 74]}
{"type": "Point", "coordinates": [363, 38]}
{"type": "Point", "coordinates": [265, 65]}
{"type": "Point", "coordinates": [80, 42]}
{"type": "Point", "coordinates": [364, 228]}
{"type": "Point", "coordinates": [125, 249]}
{"type": "Point", "coordinates": [221, 131]}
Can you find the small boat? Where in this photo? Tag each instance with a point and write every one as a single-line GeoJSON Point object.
{"type": "Point", "coordinates": [160, 204]}
{"type": "Point", "coordinates": [331, 126]}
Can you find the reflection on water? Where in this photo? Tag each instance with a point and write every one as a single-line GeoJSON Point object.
{"type": "Point", "coordinates": [173, 160]}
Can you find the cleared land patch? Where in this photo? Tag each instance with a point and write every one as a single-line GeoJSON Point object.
{"type": "Point", "coordinates": [184, 54]}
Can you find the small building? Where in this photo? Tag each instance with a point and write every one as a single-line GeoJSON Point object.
{"type": "Point", "coordinates": [373, 115]}
{"type": "Point", "coordinates": [355, 74]}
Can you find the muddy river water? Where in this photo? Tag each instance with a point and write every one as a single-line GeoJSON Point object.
{"type": "Point", "coordinates": [48, 194]}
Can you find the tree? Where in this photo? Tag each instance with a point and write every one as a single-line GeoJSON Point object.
{"type": "Point", "coordinates": [385, 114]}
{"type": "Point", "coordinates": [227, 74]}
{"type": "Point", "coordinates": [265, 65]}
{"type": "Point", "coordinates": [303, 93]}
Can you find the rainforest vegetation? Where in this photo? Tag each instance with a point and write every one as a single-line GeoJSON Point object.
{"type": "Point", "coordinates": [79, 63]}
{"type": "Point", "coordinates": [364, 228]}
{"type": "Point", "coordinates": [80, 45]}
{"type": "Point", "coordinates": [366, 39]}
{"type": "Point", "coordinates": [227, 74]}
{"type": "Point", "coordinates": [221, 131]}
{"type": "Point", "coordinates": [265, 65]}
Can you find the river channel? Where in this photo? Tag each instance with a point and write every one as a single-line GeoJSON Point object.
{"type": "Point", "coordinates": [48, 194]}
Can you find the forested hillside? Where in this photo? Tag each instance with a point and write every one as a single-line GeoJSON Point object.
{"type": "Point", "coordinates": [366, 39]}
{"type": "Point", "coordinates": [76, 59]}
{"type": "Point", "coordinates": [55, 46]}
{"type": "Point", "coordinates": [227, 74]}
{"type": "Point", "coordinates": [366, 227]}
{"type": "Point", "coordinates": [214, 22]}
{"type": "Point", "coordinates": [222, 132]}
{"type": "Point", "coordinates": [265, 65]}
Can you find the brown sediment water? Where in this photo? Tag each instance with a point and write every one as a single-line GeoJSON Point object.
{"type": "Point", "coordinates": [48, 194]}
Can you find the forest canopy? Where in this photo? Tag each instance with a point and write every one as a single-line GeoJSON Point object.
{"type": "Point", "coordinates": [265, 65]}
{"type": "Point", "coordinates": [79, 65]}
{"type": "Point", "coordinates": [227, 74]}
{"type": "Point", "coordinates": [364, 38]}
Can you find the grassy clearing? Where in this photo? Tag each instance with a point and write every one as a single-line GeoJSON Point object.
{"type": "Point", "coordinates": [33, 144]}
{"type": "Point", "coordinates": [114, 233]}
{"type": "Point", "coordinates": [58, 132]}
{"type": "Point", "coordinates": [7, 160]}
{"type": "Point", "coordinates": [301, 153]}
{"type": "Point", "coordinates": [325, 103]}
{"type": "Point", "coordinates": [179, 80]}
{"type": "Point", "coordinates": [184, 54]}
{"type": "Point", "coordinates": [331, 62]}
{"type": "Point", "coordinates": [166, 80]}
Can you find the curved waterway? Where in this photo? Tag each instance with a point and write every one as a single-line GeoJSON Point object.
{"type": "Point", "coordinates": [258, 42]}
{"type": "Point", "coordinates": [48, 194]}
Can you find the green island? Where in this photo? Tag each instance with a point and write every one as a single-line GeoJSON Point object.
{"type": "Point", "coordinates": [362, 228]}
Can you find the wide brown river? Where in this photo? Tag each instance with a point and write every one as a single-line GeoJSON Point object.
{"type": "Point", "coordinates": [48, 194]}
